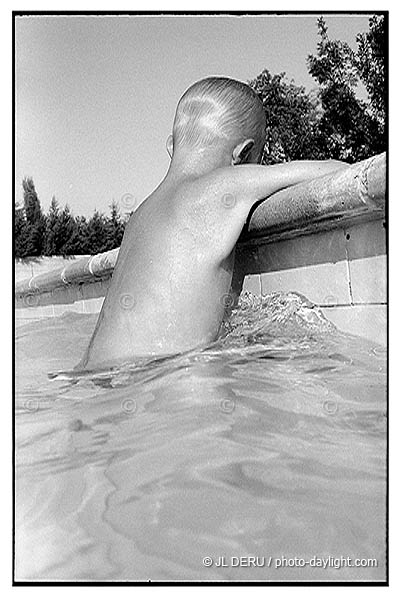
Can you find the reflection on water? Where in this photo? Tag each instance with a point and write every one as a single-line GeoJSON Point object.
{"type": "Point", "coordinates": [270, 443]}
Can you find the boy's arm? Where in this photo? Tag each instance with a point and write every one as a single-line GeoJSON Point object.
{"type": "Point", "coordinates": [242, 186]}
{"type": "Point", "coordinates": [257, 182]}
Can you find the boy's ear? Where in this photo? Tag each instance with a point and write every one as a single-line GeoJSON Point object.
{"type": "Point", "coordinates": [170, 145]}
{"type": "Point", "coordinates": [242, 151]}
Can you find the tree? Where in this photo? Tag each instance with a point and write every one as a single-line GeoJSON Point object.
{"type": "Point", "coordinates": [371, 66]}
{"type": "Point", "coordinates": [292, 117]}
{"type": "Point", "coordinates": [61, 231]}
{"type": "Point", "coordinates": [114, 227]}
{"type": "Point", "coordinates": [68, 232]}
{"type": "Point", "coordinates": [97, 233]}
{"type": "Point", "coordinates": [35, 219]}
{"type": "Point", "coordinates": [348, 129]}
{"type": "Point", "coordinates": [21, 232]}
{"type": "Point", "coordinates": [81, 238]}
{"type": "Point", "coordinates": [52, 236]}
{"type": "Point", "coordinates": [32, 208]}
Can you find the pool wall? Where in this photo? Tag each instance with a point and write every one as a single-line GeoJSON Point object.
{"type": "Point", "coordinates": [325, 239]}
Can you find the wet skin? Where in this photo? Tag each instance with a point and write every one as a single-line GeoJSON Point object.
{"type": "Point", "coordinates": [171, 284]}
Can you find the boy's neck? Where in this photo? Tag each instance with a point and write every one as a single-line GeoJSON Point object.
{"type": "Point", "coordinates": [198, 163]}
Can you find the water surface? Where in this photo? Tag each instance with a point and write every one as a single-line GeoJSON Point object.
{"type": "Point", "coordinates": [271, 444]}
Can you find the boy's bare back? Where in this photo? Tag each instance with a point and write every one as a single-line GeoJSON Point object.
{"type": "Point", "coordinates": [171, 284]}
{"type": "Point", "coordinates": [173, 269]}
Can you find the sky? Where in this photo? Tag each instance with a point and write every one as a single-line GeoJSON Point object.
{"type": "Point", "coordinates": [96, 96]}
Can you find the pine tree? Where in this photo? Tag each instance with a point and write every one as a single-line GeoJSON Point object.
{"type": "Point", "coordinates": [52, 237]}
{"type": "Point", "coordinates": [68, 232]}
{"type": "Point", "coordinates": [21, 233]}
{"type": "Point", "coordinates": [82, 241]}
{"type": "Point", "coordinates": [35, 219]}
{"type": "Point", "coordinates": [115, 227]}
{"type": "Point", "coordinates": [97, 233]}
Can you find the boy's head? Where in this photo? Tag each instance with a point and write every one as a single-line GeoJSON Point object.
{"type": "Point", "coordinates": [221, 114]}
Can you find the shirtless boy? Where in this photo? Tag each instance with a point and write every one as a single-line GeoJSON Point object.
{"type": "Point", "coordinates": [174, 270]}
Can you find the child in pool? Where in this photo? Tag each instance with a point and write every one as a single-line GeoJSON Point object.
{"type": "Point", "coordinates": [174, 270]}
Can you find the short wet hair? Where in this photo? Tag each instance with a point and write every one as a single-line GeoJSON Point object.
{"type": "Point", "coordinates": [219, 110]}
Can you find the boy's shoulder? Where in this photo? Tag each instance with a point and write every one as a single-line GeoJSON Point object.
{"type": "Point", "coordinates": [219, 179]}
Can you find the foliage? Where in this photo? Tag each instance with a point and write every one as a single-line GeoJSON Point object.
{"type": "Point", "coordinates": [21, 232]}
{"type": "Point", "coordinates": [331, 121]}
{"type": "Point", "coordinates": [371, 65]}
{"type": "Point", "coordinates": [115, 227]}
{"type": "Point", "coordinates": [30, 222]}
{"type": "Point", "coordinates": [60, 232]}
{"type": "Point", "coordinates": [291, 119]}
{"type": "Point", "coordinates": [351, 129]}
{"type": "Point", "coordinates": [53, 234]}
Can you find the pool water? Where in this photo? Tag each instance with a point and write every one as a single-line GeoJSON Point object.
{"type": "Point", "coordinates": [270, 444]}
